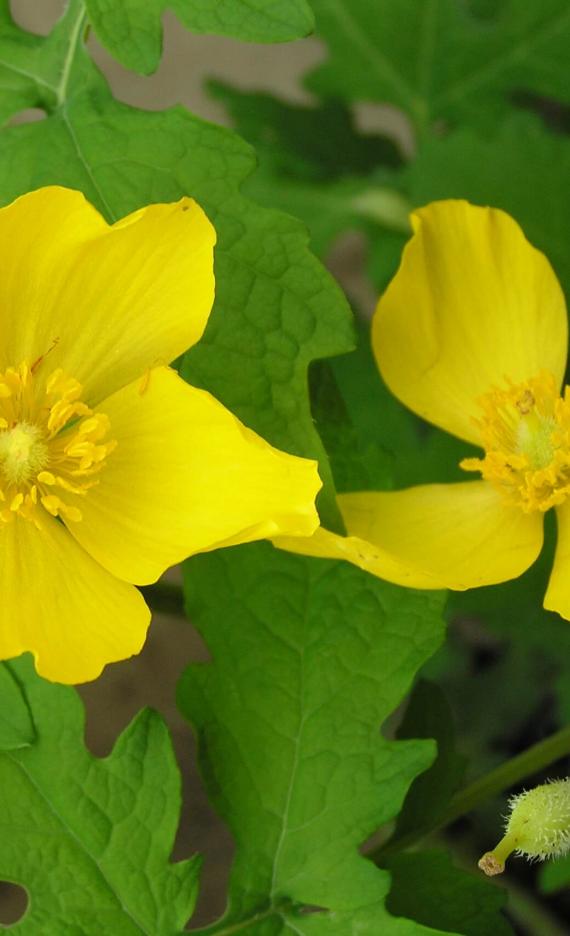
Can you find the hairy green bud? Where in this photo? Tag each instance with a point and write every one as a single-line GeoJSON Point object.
{"type": "Point", "coordinates": [538, 826]}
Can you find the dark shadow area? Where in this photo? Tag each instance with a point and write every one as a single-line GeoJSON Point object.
{"type": "Point", "coordinates": [13, 903]}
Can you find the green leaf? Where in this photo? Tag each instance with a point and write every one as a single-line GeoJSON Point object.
{"type": "Point", "coordinates": [427, 887]}
{"type": "Point", "coordinates": [309, 659]}
{"type": "Point", "coordinates": [315, 142]}
{"type": "Point", "coordinates": [442, 58]}
{"type": "Point", "coordinates": [359, 463]}
{"type": "Point", "coordinates": [429, 716]}
{"type": "Point", "coordinates": [16, 725]}
{"type": "Point", "coordinates": [90, 839]}
{"type": "Point", "coordinates": [277, 308]}
{"type": "Point", "coordinates": [329, 209]}
{"type": "Point", "coordinates": [132, 29]}
{"type": "Point", "coordinates": [34, 69]}
{"type": "Point", "coordinates": [315, 164]}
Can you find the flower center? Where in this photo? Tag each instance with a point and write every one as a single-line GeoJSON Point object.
{"type": "Point", "coordinates": [23, 453]}
{"type": "Point", "coordinates": [525, 430]}
{"type": "Point", "coordinates": [51, 445]}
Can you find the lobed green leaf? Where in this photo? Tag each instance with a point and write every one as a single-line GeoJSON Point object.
{"type": "Point", "coordinates": [309, 658]}
{"type": "Point", "coordinates": [132, 29]}
{"type": "Point", "coordinates": [442, 59]}
{"type": "Point", "coordinates": [90, 839]}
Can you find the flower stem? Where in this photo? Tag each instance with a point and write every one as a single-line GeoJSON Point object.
{"type": "Point", "coordinates": [510, 773]}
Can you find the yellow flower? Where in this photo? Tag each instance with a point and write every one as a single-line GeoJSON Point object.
{"type": "Point", "coordinates": [112, 468]}
{"type": "Point", "coordinates": [471, 335]}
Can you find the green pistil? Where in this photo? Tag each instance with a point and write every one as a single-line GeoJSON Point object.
{"type": "Point", "coordinates": [534, 439]}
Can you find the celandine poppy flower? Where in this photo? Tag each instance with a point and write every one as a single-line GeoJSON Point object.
{"type": "Point", "coordinates": [112, 468]}
{"type": "Point", "coordinates": [471, 335]}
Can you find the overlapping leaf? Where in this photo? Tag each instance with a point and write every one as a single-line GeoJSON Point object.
{"type": "Point", "coordinates": [428, 885]}
{"type": "Point", "coordinates": [90, 839]}
{"type": "Point", "coordinates": [429, 716]}
{"type": "Point", "coordinates": [309, 658]}
{"type": "Point", "coordinates": [132, 29]}
{"type": "Point", "coordinates": [315, 142]}
{"type": "Point", "coordinates": [443, 58]}
{"type": "Point", "coordinates": [276, 309]}
{"type": "Point", "coordinates": [316, 164]}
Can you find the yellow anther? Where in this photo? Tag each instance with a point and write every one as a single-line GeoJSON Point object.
{"type": "Point", "coordinates": [17, 502]}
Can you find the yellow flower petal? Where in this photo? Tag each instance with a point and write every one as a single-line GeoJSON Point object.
{"type": "Point", "coordinates": [104, 302]}
{"type": "Point", "coordinates": [366, 555]}
{"type": "Point", "coordinates": [58, 603]}
{"type": "Point", "coordinates": [186, 477]}
{"type": "Point", "coordinates": [472, 303]}
{"type": "Point", "coordinates": [557, 596]}
{"type": "Point", "coordinates": [433, 536]}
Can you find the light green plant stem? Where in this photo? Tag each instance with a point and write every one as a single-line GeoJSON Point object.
{"type": "Point", "coordinates": [510, 773]}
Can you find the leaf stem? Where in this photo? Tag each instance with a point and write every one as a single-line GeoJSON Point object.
{"type": "Point", "coordinates": [509, 774]}
{"type": "Point", "coordinates": [74, 37]}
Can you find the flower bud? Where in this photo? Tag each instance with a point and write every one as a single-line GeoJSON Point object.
{"type": "Point", "coordinates": [538, 826]}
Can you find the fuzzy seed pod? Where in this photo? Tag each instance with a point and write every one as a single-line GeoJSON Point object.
{"type": "Point", "coordinates": [538, 826]}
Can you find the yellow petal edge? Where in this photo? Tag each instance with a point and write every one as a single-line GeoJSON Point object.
{"type": "Point", "coordinates": [456, 536]}
{"type": "Point", "coordinates": [106, 302]}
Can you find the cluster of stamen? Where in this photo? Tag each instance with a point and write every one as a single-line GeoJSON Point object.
{"type": "Point", "coordinates": [51, 444]}
{"type": "Point", "coordinates": [525, 430]}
